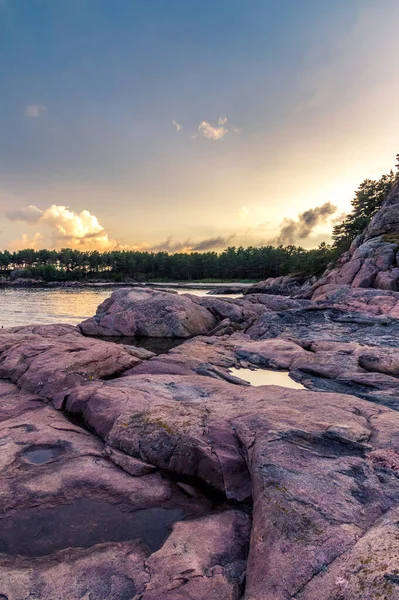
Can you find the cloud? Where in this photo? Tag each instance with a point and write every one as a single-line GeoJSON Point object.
{"type": "Point", "coordinates": [292, 230]}
{"type": "Point", "coordinates": [68, 228]}
{"type": "Point", "coordinates": [33, 111]}
{"type": "Point", "coordinates": [28, 214]}
{"type": "Point", "coordinates": [212, 243]}
{"type": "Point", "coordinates": [212, 132]}
{"type": "Point", "coordinates": [170, 246]}
{"type": "Point", "coordinates": [24, 242]}
{"type": "Point", "coordinates": [177, 125]}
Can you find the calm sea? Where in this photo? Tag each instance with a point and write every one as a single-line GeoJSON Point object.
{"type": "Point", "coordinates": [26, 306]}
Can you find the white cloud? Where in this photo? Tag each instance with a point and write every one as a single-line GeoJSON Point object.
{"type": "Point", "coordinates": [76, 230]}
{"type": "Point", "coordinates": [222, 120]}
{"type": "Point", "coordinates": [177, 125]}
{"type": "Point", "coordinates": [33, 111]}
{"type": "Point", "coordinates": [212, 132]}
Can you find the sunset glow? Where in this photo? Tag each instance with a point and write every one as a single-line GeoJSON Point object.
{"type": "Point", "coordinates": [184, 126]}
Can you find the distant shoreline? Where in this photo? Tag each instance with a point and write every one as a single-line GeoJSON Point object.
{"type": "Point", "coordinates": [234, 287]}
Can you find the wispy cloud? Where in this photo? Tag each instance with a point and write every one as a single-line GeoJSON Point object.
{"type": "Point", "coordinates": [213, 243]}
{"type": "Point", "coordinates": [25, 241]}
{"type": "Point", "coordinates": [299, 229]}
{"type": "Point", "coordinates": [170, 245]}
{"type": "Point", "coordinates": [177, 125]}
{"type": "Point", "coordinates": [213, 132]}
{"type": "Point", "coordinates": [27, 214]}
{"type": "Point", "coordinates": [33, 111]}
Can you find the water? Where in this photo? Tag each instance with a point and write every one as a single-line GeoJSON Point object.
{"type": "Point", "coordinates": [156, 345]}
{"type": "Point", "coordinates": [27, 306]}
{"type": "Point", "coordinates": [39, 455]}
{"type": "Point", "coordinates": [259, 377]}
{"type": "Point", "coordinates": [83, 523]}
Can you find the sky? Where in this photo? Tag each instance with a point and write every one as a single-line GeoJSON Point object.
{"type": "Point", "coordinates": [191, 124]}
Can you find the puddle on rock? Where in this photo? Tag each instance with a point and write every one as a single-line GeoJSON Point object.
{"type": "Point", "coordinates": [259, 377]}
{"type": "Point", "coordinates": [39, 455]}
{"type": "Point", "coordinates": [43, 531]}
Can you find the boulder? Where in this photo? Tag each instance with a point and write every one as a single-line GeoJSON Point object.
{"type": "Point", "coordinates": [148, 313]}
{"type": "Point", "coordinates": [286, 285]}
{"type": "Point", "coordinates": [49, 359]}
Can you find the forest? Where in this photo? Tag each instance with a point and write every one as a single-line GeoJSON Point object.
{"type": "Point", "coordinates": [234, 263]}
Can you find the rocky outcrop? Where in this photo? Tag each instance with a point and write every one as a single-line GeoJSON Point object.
{"type": "Point", "coordinates": [129, 475]}
{"type": "Point", "coordinates": [49, 359]}
{"type": "Point", "coordinates": [74, 524]}
{"type": "Point", "coordinates": [286, 285]}
{"type": "Point", "coordinates": [373, 258]}
{"type": "Point", "coordinates": [149, 313]}
{"type": "Point", "coordinates": [366, 300]}
{"type": "Point", "coordinates": [321, 469]}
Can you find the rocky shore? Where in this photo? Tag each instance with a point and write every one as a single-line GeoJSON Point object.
{"type": "Point", "coordinates": [130, 475]}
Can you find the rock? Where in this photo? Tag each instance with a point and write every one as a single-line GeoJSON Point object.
{"type": "Point", "coordinates": [366, 276]}
{"type": "Point", "coordinates": [74, 524]}
{"type": "Point", "coordinates": [49, 359]}
{"type": "Point", "coordinates": [180, 569]}
{"type": "Point", "coordinates": [275, 353]}
{"type": "Point", "coordinates": [320, 468]}
{"type": "Point", "coordinates": [348, 272]}
{"type": "Point", "coordinates": [367, 301]}
{"type": "Point", "coordinates": [335, 324]}
{"type": "Point", "coordinates": [149, 313]}
{"type": "Point", "coordinates": [286, 285]}
{"type": "Point", "coordinates": [386, 220]}
{"type": "Point", "coordinates": [372, 258]}
{"type": "Point", "coordinates": [316, 494]}
{"type": "Point", "coordinates": [368, 571]}
{"type": "Point", "coordinates": [274, 303]}
{"type": "Point", "coordinates": [383, 360]}
{"type": "Point", "coordinates": [227, 290]}
{"type": "Point", "coordinates": [140, 353]}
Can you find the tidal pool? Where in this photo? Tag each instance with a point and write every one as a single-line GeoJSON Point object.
{"type": "Point", "coordinates": [85, 522]}
{"type": "Point", "coordinates": [39, 455]}
{"type": "Point", "coordinates": [259, 377]}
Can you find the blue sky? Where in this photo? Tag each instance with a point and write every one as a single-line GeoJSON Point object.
{"type": "Point", "coordinates": [279, 106]}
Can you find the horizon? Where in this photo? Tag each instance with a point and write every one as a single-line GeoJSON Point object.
{"type": "Point", "coordinates": [185, 128]}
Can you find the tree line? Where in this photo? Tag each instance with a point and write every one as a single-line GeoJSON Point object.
{"type": "Point", "coordinates": [234, 263]}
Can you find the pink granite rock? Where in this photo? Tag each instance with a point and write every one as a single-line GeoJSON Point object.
{"type": "Point", "coordinates": [149, 313]}
{"type": "Point", "coordinates": [51, 359]}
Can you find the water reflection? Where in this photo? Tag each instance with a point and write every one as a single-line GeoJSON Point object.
{"type": "Point", "coordinates": [267, 377]}
{"type": "Point", "coordinates": [83, 523]}
{"type": "Point", "coordinates": [27, 306]}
